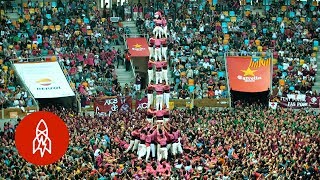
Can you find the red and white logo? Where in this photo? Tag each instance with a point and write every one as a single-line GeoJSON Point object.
{"type": "Point", "coordinates": [42, 138]}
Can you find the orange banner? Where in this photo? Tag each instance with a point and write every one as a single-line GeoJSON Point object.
{"type": "Point", "coordinates": [247, 74]}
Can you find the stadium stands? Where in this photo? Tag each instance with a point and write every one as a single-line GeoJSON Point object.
{"type": "Point", "coordinates": [199, 42]}
{"type": "Point", "coordinates": [247, 142]}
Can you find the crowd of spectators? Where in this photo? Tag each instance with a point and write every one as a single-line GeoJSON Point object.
{"type": "Point", "coordinates": [201, 34]}
{"type": "Point", "coordinates": [248, 142]}
{"type": "Point", "coordinates": [76, 34]}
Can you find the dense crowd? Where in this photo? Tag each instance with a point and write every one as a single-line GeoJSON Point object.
{"type": "Point", "coordinates": [76, 34]}
{"type": "Point", "coordinates": [247, 142]}
{"type": "Point", "coordinates": [242, 143]}
{"type": "Point", "coordinates": [201, 34]}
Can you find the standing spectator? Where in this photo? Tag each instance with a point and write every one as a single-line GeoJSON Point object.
{"type": "Point", "coordinates": [128, 60]}
{"type": "Point", "coordinates": [138, 82]}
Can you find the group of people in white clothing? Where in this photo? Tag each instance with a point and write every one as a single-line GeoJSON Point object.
{"type": "Point", "coordinates": [155, 140]}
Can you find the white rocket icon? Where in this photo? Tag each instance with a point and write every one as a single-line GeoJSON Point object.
{"type": "Point", "coordinates": [42, 142]}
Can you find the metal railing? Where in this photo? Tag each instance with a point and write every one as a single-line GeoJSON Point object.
{"type": "Point", "coordinates": [131, 34]}
{"type": "Point", "coordinates": [64, 69]}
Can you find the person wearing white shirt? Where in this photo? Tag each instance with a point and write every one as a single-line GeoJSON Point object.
{"type": "Point", "coordinates": [201, 28]}
{"type": "Point", "coordinates": [217, 92]}
{"type": "Point", "coordinates": [289, 40]}
{"type": "Point", "coordinates": [285, 65]}
{"type": "Point", "coordinates": [206, 65]}
{"type": "Point", "coordinates": [79, 68]}
{"type": "Point", "coordinates": [184, 28]}
{"type": "Point", "coordinates": [305, 66]}
{"type": "Point", "coordinates": [281, 53]}
{"type": "Point", "coordinates": [313, 60]}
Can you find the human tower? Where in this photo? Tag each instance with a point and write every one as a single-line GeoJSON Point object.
{"type": "Point", "coordinates": [158, 137]}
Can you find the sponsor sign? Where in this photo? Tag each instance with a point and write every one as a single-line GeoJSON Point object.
{"type": "Point", "coordinates": [105, 105]}
{"type": "Point", "coordinates": [138, 47]}
{"type": "Point", "coordinates": [249, 74]}
{"type": "Point", "coordinates": [44, 80]}
{"type": "Point", "coordinates": [142, 104]}
{"type": "Point", "coordinates": [297, 101]}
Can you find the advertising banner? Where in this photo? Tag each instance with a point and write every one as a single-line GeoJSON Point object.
{"type": "Point", "coordinates": [109, 104]}
{"type": "Point", "coordinates": [297, 101]}
{"type": "Point", "coordinates": [249, 74]}
{"type": "Point", "coordinates": [44, 80]}
{"type": "Point", "coordinates": [142, 104]}
{"type": "Point", "coordinates": [138, 47]}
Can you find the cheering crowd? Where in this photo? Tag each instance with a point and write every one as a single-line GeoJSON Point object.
{"type": "Point", "coordinates": [243, 143]}
{"type": "Point", "coordinates": [247, 142]}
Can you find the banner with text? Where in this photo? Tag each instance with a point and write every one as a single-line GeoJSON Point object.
{"type": "Point", "coordinates": [44, 80]}
{"type": "Point", "coordinates": [142, 104]}
{"type": "Point", "coordinates": [107, 105]}
{"type": "Point", "coordinates": [297, 101]}
{"type": "Point", "coordinates": [249, 74]}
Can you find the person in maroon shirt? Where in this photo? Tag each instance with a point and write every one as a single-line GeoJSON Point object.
{"type": "Point", "coordinates": [150, 114]}
{"type": "Point", "coordinates": [150, 70]}
{"type": "Point", "coordinates": [151, 46]}
{"type": "Point", "coordinates": [150, 91]}
{"type": "Point", "coordinates": [151, 133]}
{"type": "Point", "coordinates": [164, 48]}
{"type": "Point", "coordinates": [166, 94]}
{"type": "Point", "coordinates": [162, 150]}
{"type": "Point", "coordinates": [165, 71]}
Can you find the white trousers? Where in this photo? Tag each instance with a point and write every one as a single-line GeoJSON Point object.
{"type": "Point", "coordinates": [157, 53]}
{"type": "Point", "coordinates": [165, 75]}
{"type": "Point", "coordinates": [159, 75]}
{"type": "Point", "coordinates": [136, 144]}
{"type": "Point", "coordinates": [166, 98]}
{"type": "Point", "coordinates": [166, 119]}
{"type": "Point", "coordinates": [158, 31]}
{"type": "Point", "coordinates": [150, 120]}
{"type": "Point", "coordinates": [142, 150]}
{"type": "Point", "coordinates": [162, 153]}
{"type": "Point", "coordinates": [130, 146]}
{"type": "Point", "coordinates": [153, 150]}
{"type": "Point", "coordinates": [169, 146]}
{"type": "Point", "coordinates": [148, 153]}
{"type": "Point", "coordinates": [159, 101]}
{"type": "Point", "coordinates": [176, 148]}
{"type": "Point", "coordinates": [150, 75]}
{"type": "Point", "coordinates": [151, 51]}
{"type": "Point", "coordinates": [150, 99]}
{"type": "Point", "coordinates": [135, 15]}
{"type": "Point", "coordinates": [165, 31]}
{"type": "Point", "coordinates": [164, 52]}
{"type": "Point", "coordinates": [138, 87]}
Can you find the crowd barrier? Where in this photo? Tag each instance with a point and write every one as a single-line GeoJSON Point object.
{"type": "Point", "coordinates": [106, 103]}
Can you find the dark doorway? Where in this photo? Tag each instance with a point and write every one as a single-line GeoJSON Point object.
{"type": "Point", "coordinates": [261, 98]}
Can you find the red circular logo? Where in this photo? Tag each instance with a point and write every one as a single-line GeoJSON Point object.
{"type": "Point", "coordinates": [42, 138]}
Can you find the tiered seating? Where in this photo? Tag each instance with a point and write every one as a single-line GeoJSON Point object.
{"type": "Point", "coordinates": [57, 31]}
{"type": "Point", "coordinates": [197, 44]}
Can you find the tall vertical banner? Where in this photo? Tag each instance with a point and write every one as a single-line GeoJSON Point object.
{"type": "Point", "coordinates": [249, 74]}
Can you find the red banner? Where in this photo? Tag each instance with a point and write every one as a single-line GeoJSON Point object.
{"type": "Point", "coordinates": [142, 104]}
{"type": "Point", "coordinates": [108, 104]}
{"type": "Point", "coordinates": [138, 47]}
{"type": "Point", "coordinates": [249, 74]}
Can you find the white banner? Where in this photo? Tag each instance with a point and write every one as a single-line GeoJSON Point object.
{"type": "Point", "coordinates": [44, 80]}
